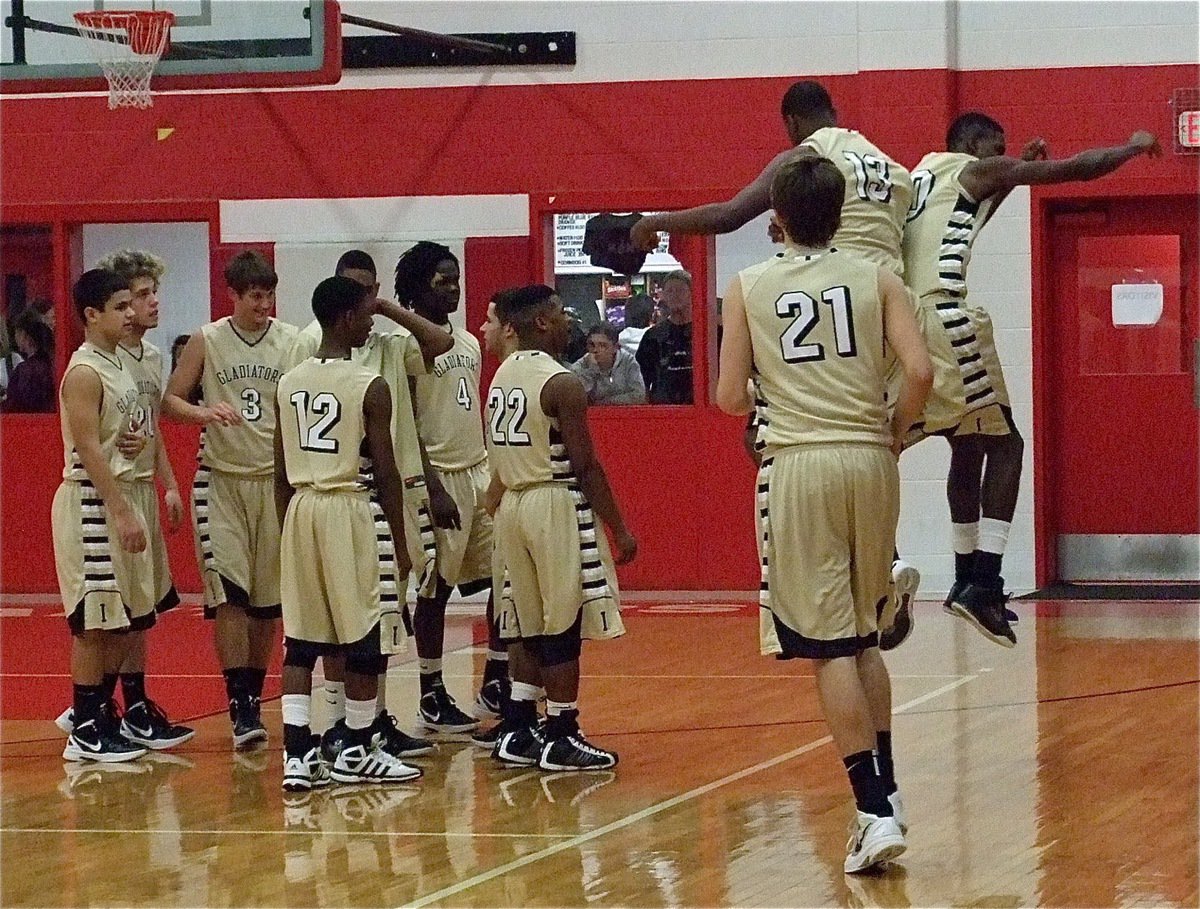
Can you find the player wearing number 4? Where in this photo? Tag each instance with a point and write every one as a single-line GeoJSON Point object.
{"type": "Point", "coordinates": [810, 326]}
{"type": "Point", "coordinates": [956, 192]}
{"type": "Point", "coordinates": [237, 362]}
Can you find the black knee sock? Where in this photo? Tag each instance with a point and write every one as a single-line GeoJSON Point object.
{"type": "Point", "coordinates": [110, 685]}
{"type": "Point", "coordinates": [133, 688]}
{"type": "Point", "coordinates": [495, 669]}
{"type": "Point", "coordinates": [235, 683]}
{"type": "Point", "coordinates": [867, 784]}
{"type": "Point", "coordinates": [519, 713]}
{"type": "Point", "coordinates": [87, 701]}
{"type": "Point", "coordinates": [964, 565]}
{"type": "Point", "coordinates": [431, 680]}
{"type": "Point", "coordinates": [986, 568]}
{"type": "Point", "coordinates": [254, 681]}
{"type": "Point", "coordinates": [297, 740]}
{"type": "Point", "coordinates": [887, 770]}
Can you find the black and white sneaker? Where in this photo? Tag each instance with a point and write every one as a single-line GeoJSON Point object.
{"type": "Point", "coordinates": [356, 764]}
{"type": "Point", "coordinates": [95, 741]}
{"type": "Point", "coordinates": [491, 697]}
{"type": "Point", "coordinates": [489, 738]}
{"type": "Point", "coordinates": [66, 721]}
{"type": "Point", "coordinates": [387, 734]}
{"type": "Point", "coordinates": [983, 608]}
{"type": "Point", "coordinates": [574, 752]}
{"type": "Point", "coordinates": [905, 581]}
{"type": "Point", "coordinates": [146, 724]}
{"type": "Point", "coordinates": [873, 841]}
{"type": "Point", "coordinates": [248, 727]}
{"type": "Point", "coordinates": [522, 747]}
{"type": "Point", "coordinates": [333, 740]}
{"type": "Point", "coordinates": [438, 713]}
{"type": "Point", "coordinates": [300, 774]}
{"type": "Point", "coordinates": [958, 586]}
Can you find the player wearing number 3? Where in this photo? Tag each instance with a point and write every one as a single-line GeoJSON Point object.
{"type": "Point", "coordinates": [237, 362]}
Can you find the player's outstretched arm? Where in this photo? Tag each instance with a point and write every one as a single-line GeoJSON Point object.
{"type": "Point", "coordinates": [377, 419]}
{"type": "Point", "coordinates": [82, 393]}
{"type": "Point", "coordinates": [183, 382]}
{"type": "Point", "coordinates": [564, 399]}
{"type": "Point", "coordinates": [432, 339]}
{"type": "Point", "coordinates": [904, 336]}
{"type": "Point", "coordinates": [716, 217]}
{"type": "Point", "coordinates": [283, 489]}
{"type": "Point", "coordinates": [737, 356]}
{"type": "Point", "coordinates": [988, 176]}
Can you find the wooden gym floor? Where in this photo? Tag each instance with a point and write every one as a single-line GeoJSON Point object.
{"type": "Point", "coordinates": [1060, 773]}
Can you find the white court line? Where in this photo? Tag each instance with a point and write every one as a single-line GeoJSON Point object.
{"type": "Point", "coordinates": [165, 831]}
{"type": "Point", "coordinates": [670, 803]}
{"type": "Point", "coordinates": [13, 613]}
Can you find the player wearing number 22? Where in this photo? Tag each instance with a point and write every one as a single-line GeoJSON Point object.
{"type": "Point", "coordinates": [237, 362]}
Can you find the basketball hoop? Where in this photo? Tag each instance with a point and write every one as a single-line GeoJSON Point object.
{"type": "Point", "coordinates": [128, 45]}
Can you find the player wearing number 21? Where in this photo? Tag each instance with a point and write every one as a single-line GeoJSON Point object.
{"type": "Point", "coordinates": [237, 362]}
{"type": "Point", "coordinates": [810, 326]}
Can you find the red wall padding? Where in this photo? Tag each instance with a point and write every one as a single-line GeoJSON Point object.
{"type": "Point", "coordinates": [682, 476]}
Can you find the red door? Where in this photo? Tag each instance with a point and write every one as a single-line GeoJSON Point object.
{"type": "Point", "coordinates": [1121, 458]}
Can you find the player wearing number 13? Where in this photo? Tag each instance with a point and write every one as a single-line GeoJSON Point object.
{"type": "Point", "coordinates": [237, 361]}
{"type": "Point", "coordinates": [811, 327]}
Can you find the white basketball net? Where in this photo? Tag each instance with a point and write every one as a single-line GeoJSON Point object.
{"type": "Point", "coordinates": [127, 46]}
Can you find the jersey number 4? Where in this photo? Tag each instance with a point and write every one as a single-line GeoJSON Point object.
{"type": "Point", "coordinates": [805, 314]}
{"type": "Point", "coordinates": [314, 418]}
{"type": "Point", "coordinates": [508, 416]}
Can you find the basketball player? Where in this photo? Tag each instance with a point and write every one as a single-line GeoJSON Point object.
{"type": "Point", "coordinates": [811, 327]}
{"type": "Point", "coordinates": [144, 721]}
{"type": "Point", "coordinates": [237, 362]}
{"type": "Point", "coordinates": [104, 572]}
{"type": "Point", "coordinates": [956, 191]}
{"type": "Point", "coordinates": [397, 356]}
{"type": "Point", "coordinates": [450, 426]}
{"type": "Point", "coordinates": [329, 410]}
{"type": "Point", "coordinates": [563, 582]}
{"type": "Point", "coordinates": [878, 192]}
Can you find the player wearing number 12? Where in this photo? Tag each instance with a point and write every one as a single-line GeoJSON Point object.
{"type": "Point", "coordinates": [237, 362]}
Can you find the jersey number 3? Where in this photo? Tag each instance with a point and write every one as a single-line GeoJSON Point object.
{"type": "Point", "coordinates": [314, 418]}
{"type": "Point", "coordinates": [805, 314]}
{"type": "Point", "coordinates": [508, 416]}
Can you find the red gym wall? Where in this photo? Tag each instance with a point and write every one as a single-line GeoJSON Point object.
{"type": "Point", "coordinates": [681, 474]}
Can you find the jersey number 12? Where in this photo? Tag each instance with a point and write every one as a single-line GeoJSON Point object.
{"type": "Point", "coordinates": [314, 418]}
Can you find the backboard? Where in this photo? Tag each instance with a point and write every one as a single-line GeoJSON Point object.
{"type": "Point", "coordinates": [214, 44]}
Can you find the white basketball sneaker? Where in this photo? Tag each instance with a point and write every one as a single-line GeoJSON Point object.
{"type": "Point", "coordinates": [873, 841]}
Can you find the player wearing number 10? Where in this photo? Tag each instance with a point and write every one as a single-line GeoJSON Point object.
{"type": "Point", "coordinates": [810, 326]}
{"type": "Point", "coordinates": [237, 362]}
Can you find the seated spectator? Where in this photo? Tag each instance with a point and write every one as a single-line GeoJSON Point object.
{"type": "Point", "coordinates": [31, 389]}
{"type": "Point", "coordinates": [610, 375]}
{"type": "Point", "coordinates": [665, 353]}
{"type": "Point", "coordinates": [637, 320]}
{"type": "Point", "coordinates": [9, 358]}
{"type": "Point", "coordinates": [177, 347]}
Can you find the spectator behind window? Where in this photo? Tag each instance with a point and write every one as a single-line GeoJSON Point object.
{"type": "Point", "coordinates": [665, 353]}
{"type": "Point", "coordinates": [45, 310]}
{"type": "Point", "coordinates": [610, 375]}
{"type": "Point", "coordinates": [31, 389]}
{"type": "Point", "coordinates": [9, 358]}
{"type": "Point", "coordinates": [177, 347]}
{"type": "Point", "coordinates": [637, 320]}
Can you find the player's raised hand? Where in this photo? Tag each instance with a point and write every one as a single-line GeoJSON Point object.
{"type": "Point", "coordinates": [1035, 150]}
{"type": "Point", "coordinates": [1147, 142]}
{"type": "Point", "coordinates": [626, 547]}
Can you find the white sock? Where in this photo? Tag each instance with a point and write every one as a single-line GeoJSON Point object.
{"type": "Point", "coordinates": [554, 708]}
{"type": "Point", "coordinates": [499, 656]}
{"type": "Point", "coordinates": [382, 697]}
{"type": "Point", "coordinates": [427, 667]}
{"type": "Point", "coordinates": [965, 537]}
{"type": "Point", "coordinates": [360, 714]}
{"type": "Point", "coordinates": [297, 709]}
{"type": "Point", "coordinates": [993, 535]}
{"type": "Point", "coordinates": [523, 691]}
{"type": "Point", "coordinates": [335, 699]}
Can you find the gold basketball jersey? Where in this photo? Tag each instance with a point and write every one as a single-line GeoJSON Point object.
{"type": "Point", "coordinates": [118, 411]}
{"type": "Point", "coordinates": [816, 328]}
{"type": "Point", "coordinates": [524, 444]}
{"type": "Point", "coordinates": [244, 373]}
{"type": "Point", "coordinates": [878, 193]}
{"type": "Point", "coordinates": [145, 366]}
{"type": "Point", "coordinates": [322, 423]}
{"type": "Point", "coordinates": [395, 355]}
{"type": "Point", "coordinates": [447, 405]}
{"type": "Point", "coordinates": [942, 225]}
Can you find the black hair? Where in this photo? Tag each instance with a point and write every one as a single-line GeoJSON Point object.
{"type": "Point", "coordinates": [334, 297]}
{"type": "Point", "coordinates": [607, 329]}
{"type": "Point", "coordinates": [519, 306]}
{"type": "Point", "coordinates": [94, 288]}
{"type": "Point", "coordinates": [356, 259]}
{"type": "Point", "coordinates": [638, 311]}
{"type": "Point", "coordinates": [968, 127]}
{"type": "Point", "coordinates": [416, 269]}
{"type": "Point", "coordinates": [250, 269]}
{"type": "Point", "coordinates": [39, 332]}
{"type": "Point", "coordinates": [807, 195]}
{"type": "Point", "coordinates": [806, 99]}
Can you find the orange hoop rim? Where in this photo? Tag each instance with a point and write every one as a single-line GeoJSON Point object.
{"type": "Point", "coordinates": [117, 18]}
